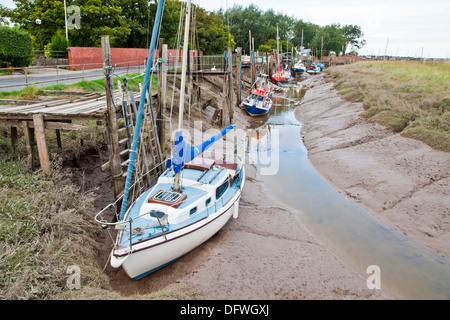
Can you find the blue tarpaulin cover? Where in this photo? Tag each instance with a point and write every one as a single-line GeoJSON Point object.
{"type": "Point", "coordinates": [183, 153]}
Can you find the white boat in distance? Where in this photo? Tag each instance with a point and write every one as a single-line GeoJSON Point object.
{"type": "Point", "coordinates": [313, 69]}
{"type": "Point", "coordinates": [191, 201]}
{"type": "Point", "coordinates": [299, 67]}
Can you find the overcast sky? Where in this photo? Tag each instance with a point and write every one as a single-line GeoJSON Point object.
{"type": "Point", "coordinates": [413, 27]}
{"type": "Point", "coordinates": [410, 25]}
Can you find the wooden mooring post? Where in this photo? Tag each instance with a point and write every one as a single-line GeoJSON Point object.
{"type": "Point", "coordinates": [28, 135]}
{"type": "Point", "coordinates": [238, 75]}
{"type": "Point", "coordinates": [39, 132]}
{"type": "Point", "coordinates": [111, 125]}
{"type": "Point", "coordinates": [230, 85]}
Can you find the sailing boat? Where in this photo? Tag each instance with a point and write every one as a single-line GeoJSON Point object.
{"type": "Point", "coordinates": [313, 69]}
{"type": "Point", "coordinates": [191, 201]}
{"type": "Point", "coordinates": [287, 70]}
{"type": "Point", "coordinates": [259, 102]}
{"type": "Point", "coordinates": [279, 74]}
{"type": "Point", "coordinates": [299, 67]}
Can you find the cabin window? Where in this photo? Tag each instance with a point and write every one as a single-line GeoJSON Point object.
{"type": "Point", "coordinates": [207, 202]}
{"type": "Point", "coordinates": [221, 189]}
{"type": "Point", "coordinates": [192, 211]}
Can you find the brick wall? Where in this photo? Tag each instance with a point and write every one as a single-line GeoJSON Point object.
{"type": "Point", "coordinates": [343, 58]}
{"type": "Point", "coordinates": [92, 57]}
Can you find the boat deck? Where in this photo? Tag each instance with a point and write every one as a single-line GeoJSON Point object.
{"type": "Point", "coordinates": [197, 202]}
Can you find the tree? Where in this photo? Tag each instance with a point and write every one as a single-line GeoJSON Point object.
{"type": "Point", "coordinates": [129, 23]}
{"type": "Point", "coordinates": [213, 35]}
{"type": "Point", "coordinates": [269, 45]}
{"type": "Point", "coordinates": [242, 21]}
{"type": "Point", "coordinates": [309, 31]}
{"type": "Point", "coordinates": [331, 37]}
{"type": "Point", "coordinates": [98, 17]}
{"type": "Point", "coordinates": [351, 34]}
{"type": "Point", "coordinates": [264, 48]}
{"type": "Point", "coordinates": [138, 15]}
{"type": "Point", "coordinates": [4, 12]}
{"type": "Point", "coordinates": [169, 24]}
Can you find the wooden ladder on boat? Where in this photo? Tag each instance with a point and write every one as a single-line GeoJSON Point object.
{"type": "Point", "coordinates": [149, 161]}
{"type": "Point", "coordinates": [153, 139]}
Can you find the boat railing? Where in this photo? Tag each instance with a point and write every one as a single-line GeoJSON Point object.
{"type": "Point", "coordinates": [138, 185]}
{"type": "Point", "coordinates": [127, 225]}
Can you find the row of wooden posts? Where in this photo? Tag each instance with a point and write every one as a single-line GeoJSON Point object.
{"type": "Point", "coordinates": [227, 113]}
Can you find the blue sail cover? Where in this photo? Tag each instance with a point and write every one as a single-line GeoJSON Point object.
{"type": "Point", "coordinates": [183, 153]}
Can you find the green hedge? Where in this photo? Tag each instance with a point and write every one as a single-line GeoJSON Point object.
{"type": "Point", "coordinates": [15, 47]}
{"type": "Point", "coordinates": [58, 44]}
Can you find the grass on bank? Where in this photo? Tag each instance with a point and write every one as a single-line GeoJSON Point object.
{"type": "Point", "coordinates": [43, 231]}
{"type": "Point", "coordinates": [45, 223]}
{"type": "Point", "coordinates": [409, 97]}
{"type": "Point", "coordinates": [98, 85]}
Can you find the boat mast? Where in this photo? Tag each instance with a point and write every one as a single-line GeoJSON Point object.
{"type": "Point", "coordinates": [301, 49]}
{"type": "Point", "coordinates": [183, 79]}
{"type": "Point", "coordinates": [287, 50]}
{"type": "Point", "coordinates": [278, 49]}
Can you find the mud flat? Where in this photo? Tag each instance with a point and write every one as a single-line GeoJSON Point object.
{"type": "Point", "coordinates": [400, 181]}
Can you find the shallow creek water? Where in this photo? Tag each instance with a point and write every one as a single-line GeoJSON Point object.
{"type": "Point", "coordinates": [401, 266]}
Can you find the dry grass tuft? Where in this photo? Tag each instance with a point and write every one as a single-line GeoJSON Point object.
{"type": "Point", "coordinates": [172, 292]}
{"type": "Point", "coordinates": [46, 227]}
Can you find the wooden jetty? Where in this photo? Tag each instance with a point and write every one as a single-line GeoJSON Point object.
{"type": "Point", "coordinates": [57, 115]}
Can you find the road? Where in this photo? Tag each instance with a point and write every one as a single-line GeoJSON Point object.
{"type": "Point", "coordinates": [44, 77]}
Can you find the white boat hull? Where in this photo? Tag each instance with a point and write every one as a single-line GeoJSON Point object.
{"type": "Point", "coordinates": [152, 255]}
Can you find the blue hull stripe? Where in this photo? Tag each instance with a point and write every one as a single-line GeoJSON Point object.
{"type": "Point", "coordinates": [157, 268]}
{"type": "Point", "coordinates": [254, 110]}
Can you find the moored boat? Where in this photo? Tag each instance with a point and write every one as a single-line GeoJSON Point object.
{"type": "Point", "coordinates": [279, 75]}
{"type": "Point", "coordinates": [299, 67]}
{"type": "Point", "coordinates": [313, 69]}
{"type": "Point", "coordinates": [259, 102]}
{"type": "Point", "coordinates": [287, 74]}
{"type": "Point", "coordinates": [163, 224]}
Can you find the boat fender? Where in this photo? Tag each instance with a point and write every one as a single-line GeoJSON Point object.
{"type": "Point", "coordinates": [236, 210]}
